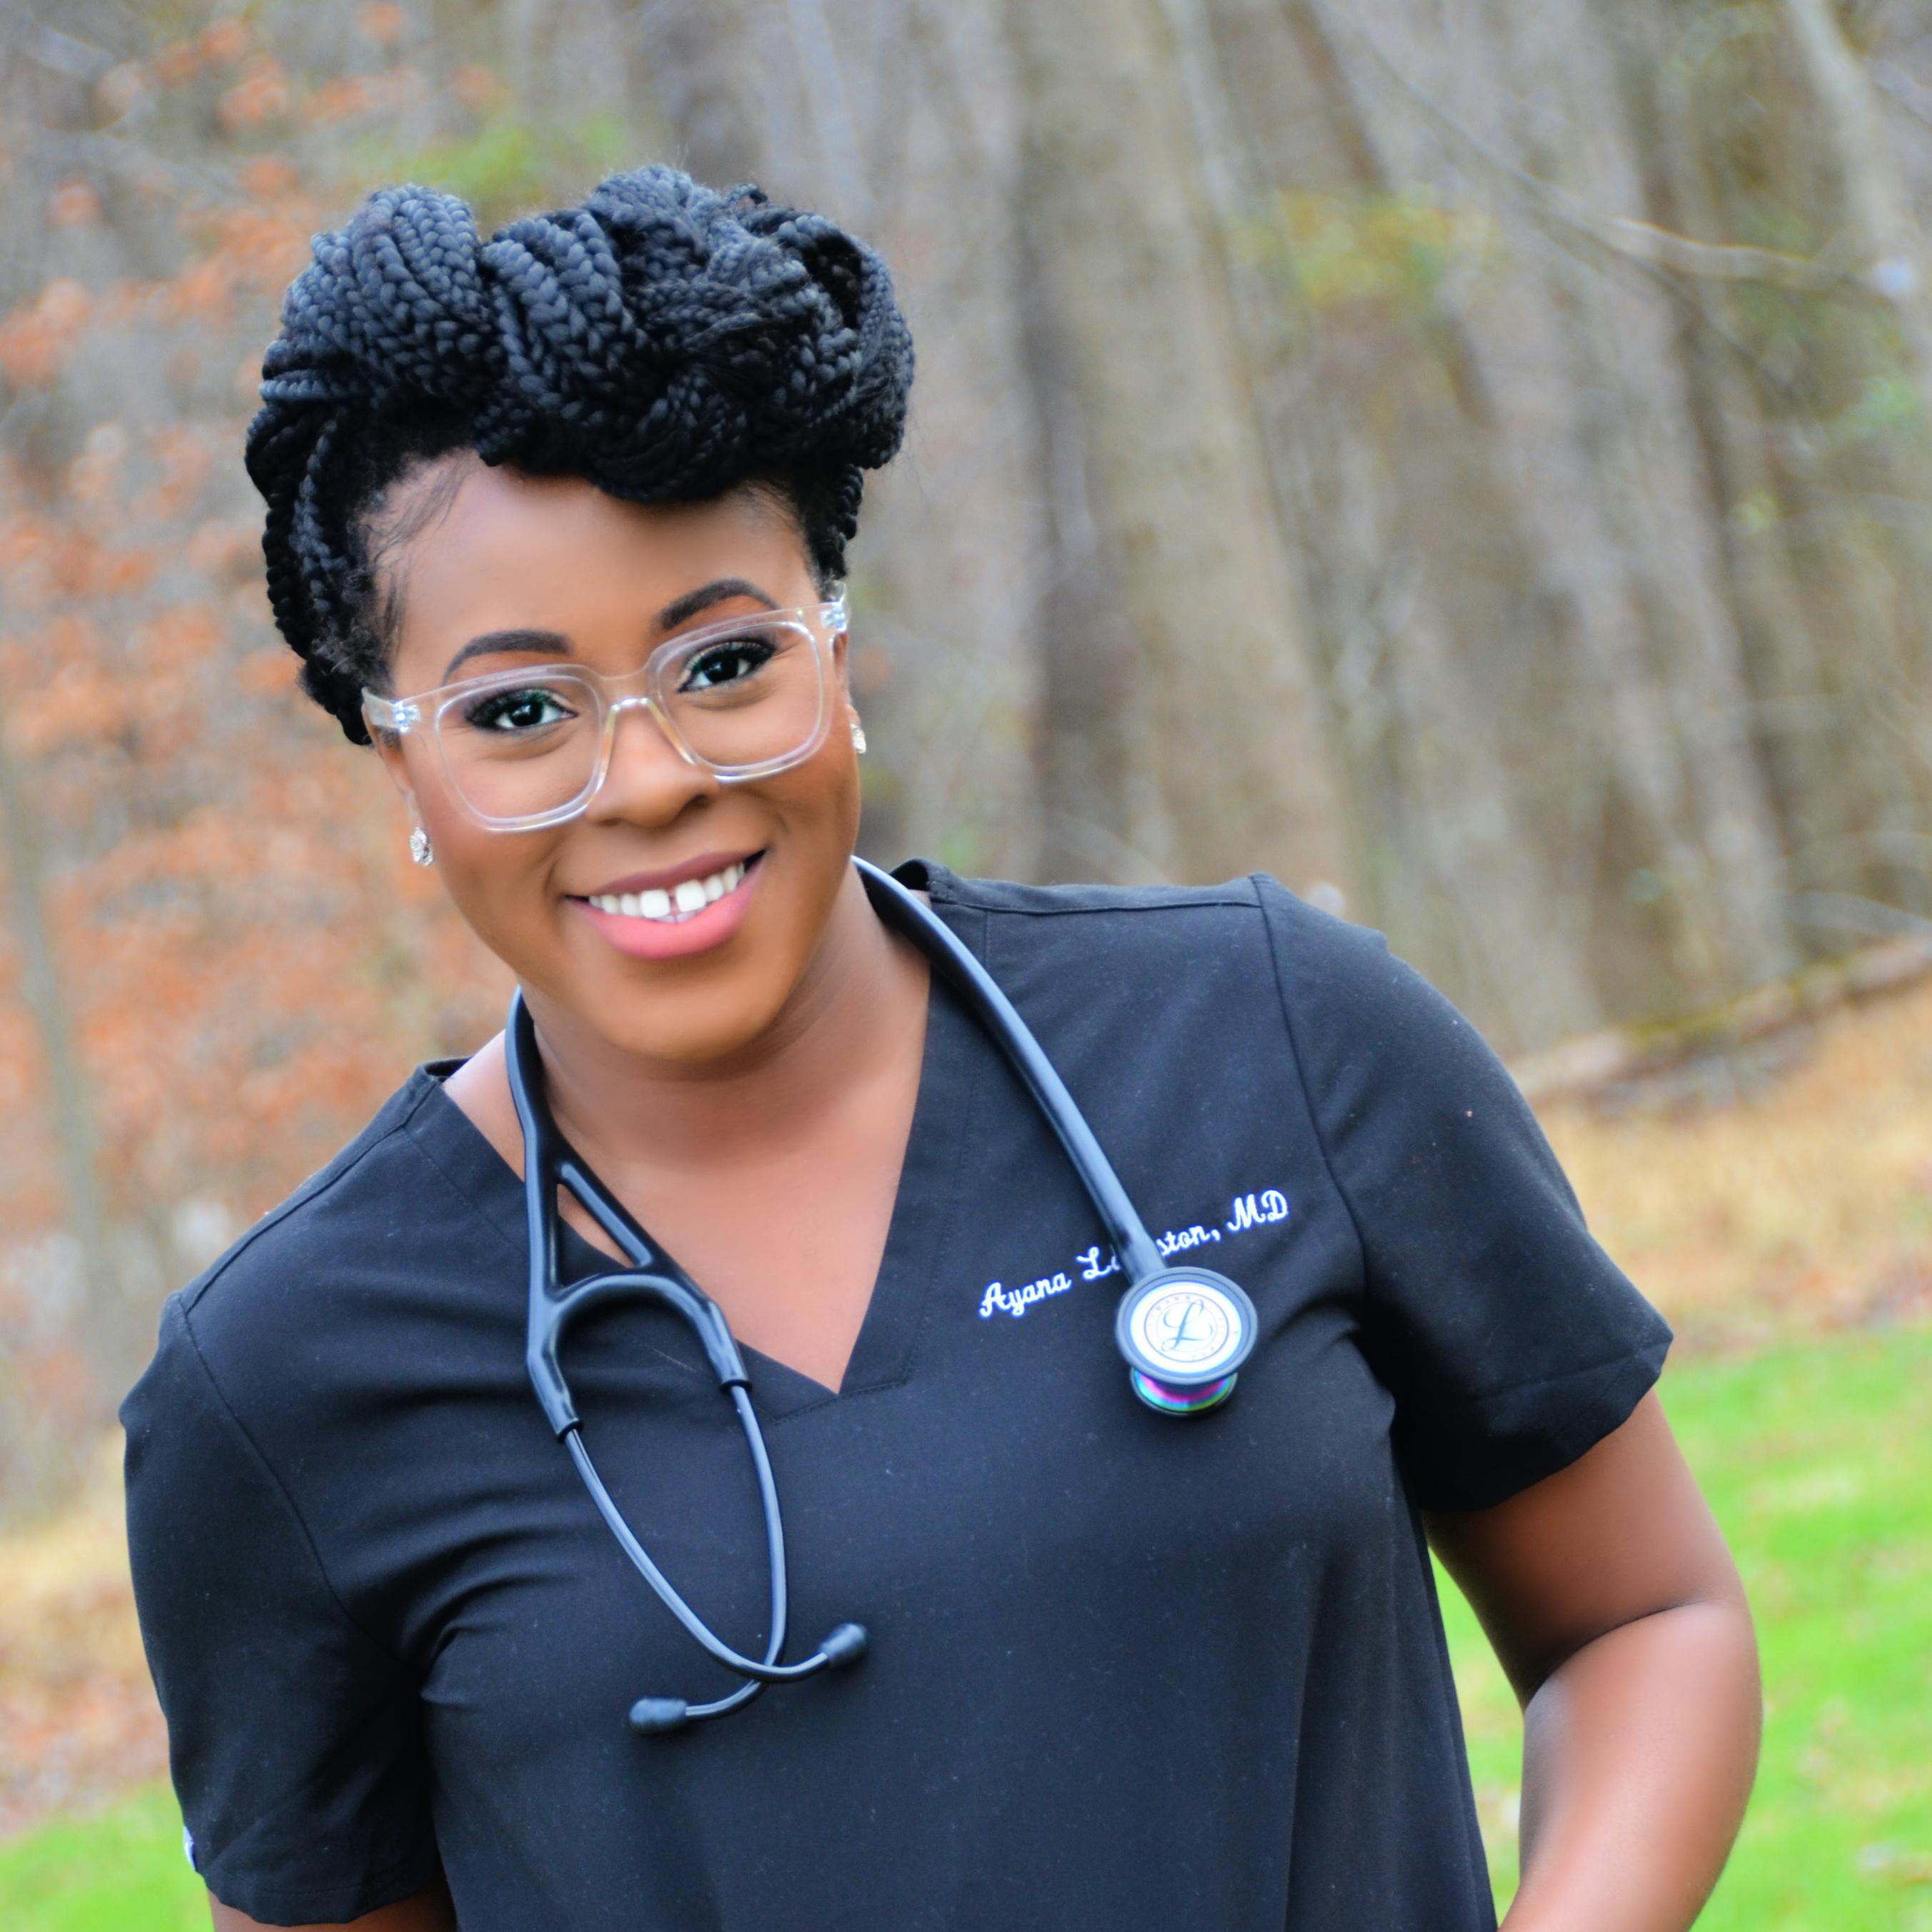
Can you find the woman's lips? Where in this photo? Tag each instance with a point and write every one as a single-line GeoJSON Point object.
{"type": "Point", "coordinates": [646, 938]}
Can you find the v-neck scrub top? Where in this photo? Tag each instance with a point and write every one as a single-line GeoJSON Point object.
{"type": "Point", "coordinates": [1128, 1670]}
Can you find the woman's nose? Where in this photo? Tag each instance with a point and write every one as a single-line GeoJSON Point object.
{"type": "Point", "coordinates": [645, 777]}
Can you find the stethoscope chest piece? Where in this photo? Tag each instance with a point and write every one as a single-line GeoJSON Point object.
{"type": "Point", "coordinates": [1185, 1333]}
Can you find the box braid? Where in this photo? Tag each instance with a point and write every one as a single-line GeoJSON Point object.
{"type": "Point", "coordinates": [665, 341]}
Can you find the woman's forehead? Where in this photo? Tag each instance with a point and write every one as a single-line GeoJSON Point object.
{"type": "Point", "coordinates": [510, 550]}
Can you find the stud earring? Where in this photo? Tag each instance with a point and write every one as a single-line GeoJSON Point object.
{"type": "Point", "coordinates": [858, 733]}
{"type": "Point", "coordinates": [421, 850]}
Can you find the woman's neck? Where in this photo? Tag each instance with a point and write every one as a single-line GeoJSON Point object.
{"type": "Point", "coordinates": [856, 1013]}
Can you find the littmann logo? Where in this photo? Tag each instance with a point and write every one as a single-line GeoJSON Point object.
{"type": "Point", "coordinates": [1245, 1211]}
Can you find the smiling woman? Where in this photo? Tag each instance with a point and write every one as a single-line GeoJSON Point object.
{"type": "Point", "coordinates": [701, 673]}
{"type": "Point", "coordinates": [558, 522]}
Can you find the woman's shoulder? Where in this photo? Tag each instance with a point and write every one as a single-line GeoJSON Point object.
{"type": "Point", "coordinates": [1250, 893]}
{"type": "Point", "coordinates": [244, 1313]}
{"type": "Point", "coordinates": [363, 1174]}
{"type": "Point", "coordinates": [1361, 1025]}
{"type": "Point", "coordinates": [1239, 922]}
{"type": "Point", "coordinates": [1074, 898]}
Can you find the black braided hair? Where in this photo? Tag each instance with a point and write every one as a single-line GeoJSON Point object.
{"type": "Point", "coordinates": [665, 341]}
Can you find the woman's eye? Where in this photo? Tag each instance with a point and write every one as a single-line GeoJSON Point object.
{"type": "Point", "coordinates": [523, 710]}
{"type": "Point", "coordinates": [726, 663]}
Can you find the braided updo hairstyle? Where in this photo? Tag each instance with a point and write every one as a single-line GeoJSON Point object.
{"type": "Point", "coordinates": [663, 341]}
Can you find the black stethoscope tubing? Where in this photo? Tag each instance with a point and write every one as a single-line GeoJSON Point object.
{"type": "Point", "coordinates": [550, 1162]}
{"type": "Point", "coordinates": [981, 991]}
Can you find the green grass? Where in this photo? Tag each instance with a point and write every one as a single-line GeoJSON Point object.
{"type": "Point", "coordinates": [119, 1871]}
{"type": "Point", "coordinates": [1818, 1461]}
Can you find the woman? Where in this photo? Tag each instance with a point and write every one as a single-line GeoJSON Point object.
{"type": "Point", "coordinates": [1126, 1668]}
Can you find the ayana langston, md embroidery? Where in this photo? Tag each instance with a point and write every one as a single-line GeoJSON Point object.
{"type": "Point", "coordinates": [1248, 1210]}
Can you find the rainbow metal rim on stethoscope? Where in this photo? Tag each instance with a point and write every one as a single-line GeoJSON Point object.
{"type": "Point", "coordinates": [1177, 1401]}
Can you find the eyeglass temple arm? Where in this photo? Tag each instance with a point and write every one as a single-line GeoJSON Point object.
{"type": "Point", "coordinates": [386, 714]}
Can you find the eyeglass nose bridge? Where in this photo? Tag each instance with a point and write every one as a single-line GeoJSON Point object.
{"type": "Point", "coordinates": [616, 702]}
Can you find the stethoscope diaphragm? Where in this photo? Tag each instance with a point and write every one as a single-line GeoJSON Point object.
{"type": "Point", "coordinates": [1185, 1333]}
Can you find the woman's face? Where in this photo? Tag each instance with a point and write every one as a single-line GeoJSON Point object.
{"type": "Point", "coordinates": [611, 580]}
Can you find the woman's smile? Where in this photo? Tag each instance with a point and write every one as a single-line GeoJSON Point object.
{"type": "Point", "coordinates": [667, 915]}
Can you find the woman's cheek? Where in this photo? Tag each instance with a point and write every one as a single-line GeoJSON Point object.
{"type": "Point", "coordinates": [502, 890]}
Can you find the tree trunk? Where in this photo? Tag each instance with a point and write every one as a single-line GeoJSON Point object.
{"type": "Point", "coordinates": [70, 1105]}
{"type": "Point", "coordinates": [1418, 574]}
{"type": "Point", "coordinates": [1215, 757]}
{"type": "Point", "coordinates": [1853, 122]}
{"type": "Point", "coordinates": [1675, 831]}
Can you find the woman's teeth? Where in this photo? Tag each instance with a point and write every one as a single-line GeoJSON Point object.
{"type": "Point", "coordinates": [671, 908]}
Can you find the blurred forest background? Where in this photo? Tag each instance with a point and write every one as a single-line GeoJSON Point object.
{"type": "Point", "coordinates": [1472, 458]}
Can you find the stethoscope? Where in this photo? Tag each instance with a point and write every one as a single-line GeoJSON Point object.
{"type": "Point", "coordinates": [1184, 1331]}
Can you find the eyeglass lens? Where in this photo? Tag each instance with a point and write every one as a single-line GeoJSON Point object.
{"type": "Point", "coordinates": [523, 747]}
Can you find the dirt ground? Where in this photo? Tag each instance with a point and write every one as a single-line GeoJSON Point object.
{"type": "Point", "coordinates": [1778, 1190]}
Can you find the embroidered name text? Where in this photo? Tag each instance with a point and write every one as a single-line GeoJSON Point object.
{"type": "Point", "coordinates": [1249, 1210]}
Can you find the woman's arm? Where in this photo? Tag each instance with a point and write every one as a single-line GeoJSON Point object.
{"type": "Point", "coordinates": [429, 1911]}
{"type": "Point", "coordinates": [1617, 1613]}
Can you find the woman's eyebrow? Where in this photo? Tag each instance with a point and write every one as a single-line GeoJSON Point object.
{"type": "Point", "coordinates": [674, 613]}
{"type": "Point", "coordinates": [507, 640]}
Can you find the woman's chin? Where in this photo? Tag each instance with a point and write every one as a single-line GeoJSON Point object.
{"type": "Point", "coordinates": [686, 1020]}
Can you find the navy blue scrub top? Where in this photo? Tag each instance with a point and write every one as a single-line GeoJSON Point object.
{"type": "Point", "coordinates": [1127, 1670]}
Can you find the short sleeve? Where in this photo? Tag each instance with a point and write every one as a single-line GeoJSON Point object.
{"type": "Point", "coordinates": [1511, 1341]}
{"type": "Point", "coordinates": [293, 1735]}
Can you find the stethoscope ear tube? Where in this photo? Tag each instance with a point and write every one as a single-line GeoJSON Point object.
{"type": "Point", "coordinates": [549, 1162]}
{"type": "Point", "coordinates": [1184, 1332]}
{"type": "Point", "coordinates": [902, 910]}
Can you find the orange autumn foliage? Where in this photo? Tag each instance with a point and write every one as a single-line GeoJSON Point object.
{"type": "Point", "coordinates": [34, 339]}
{"type": "Point", "coordinates": [223, 42]}
{"type": "Point", "coordinates": [263, 94]}
{"type": "Point", "coordinates": [72, 205]}
{"type": "Point", "coordinates": [245, 961]}
{"type": "Point", "coordinates": [383, 22]}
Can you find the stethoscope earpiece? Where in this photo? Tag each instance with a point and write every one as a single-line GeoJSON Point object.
{"type": "Point", "coordinates": [845, 1646]}
{"type": "Point", "coordinates": [658, 1716]}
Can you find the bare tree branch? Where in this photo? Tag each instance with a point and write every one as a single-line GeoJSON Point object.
{"type": "Point", "coordinates": [79, 60]}
{"type": "Point", "coordinates": [1639, 241]}
{"type": "Point", "coordinates": [1719, 261]}
{"type": "Point", "coordinates": [1893, 81]}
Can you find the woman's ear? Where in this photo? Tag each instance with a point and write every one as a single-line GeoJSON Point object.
{"type": "Point", "coordinates": [395, 761]}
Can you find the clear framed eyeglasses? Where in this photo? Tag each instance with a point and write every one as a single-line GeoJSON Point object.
{"type": "Point", "coordinates": [528, 747]}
